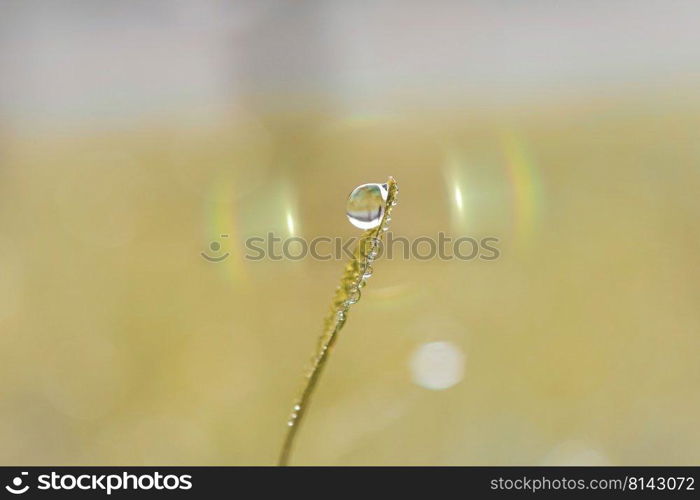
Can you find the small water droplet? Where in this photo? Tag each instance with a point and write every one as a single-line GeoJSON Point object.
{"type": "Point", "coordinates": [353, 295]}
{"type": "Point", "coordinates": [366, 205]}
{"type": "Point", "coordinates": [368, 271]}
{"type": "Point", "coordinates": [374, 248]}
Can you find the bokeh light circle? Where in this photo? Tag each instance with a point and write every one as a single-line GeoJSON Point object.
{"type": "Point", "coordinates": [437, 365]}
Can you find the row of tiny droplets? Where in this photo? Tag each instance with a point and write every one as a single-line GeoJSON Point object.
{"type": "Point", "coordinates": [365, 267]}
{"type": "Point", "coordinates": [354, 286]}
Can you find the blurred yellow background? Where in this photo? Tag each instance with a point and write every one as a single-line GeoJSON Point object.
{"type": "Point", "coordinates": [134, 134]}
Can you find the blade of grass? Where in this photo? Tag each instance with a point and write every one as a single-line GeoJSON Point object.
{"type": "Point", "coordinates": [347, 294]}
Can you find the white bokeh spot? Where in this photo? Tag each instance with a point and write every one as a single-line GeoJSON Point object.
{"type": "Point", "coordinates": [437, 365]}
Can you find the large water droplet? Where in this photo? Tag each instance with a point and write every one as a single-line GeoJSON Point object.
{"type": "Point", "coordinates": [366, 205]}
